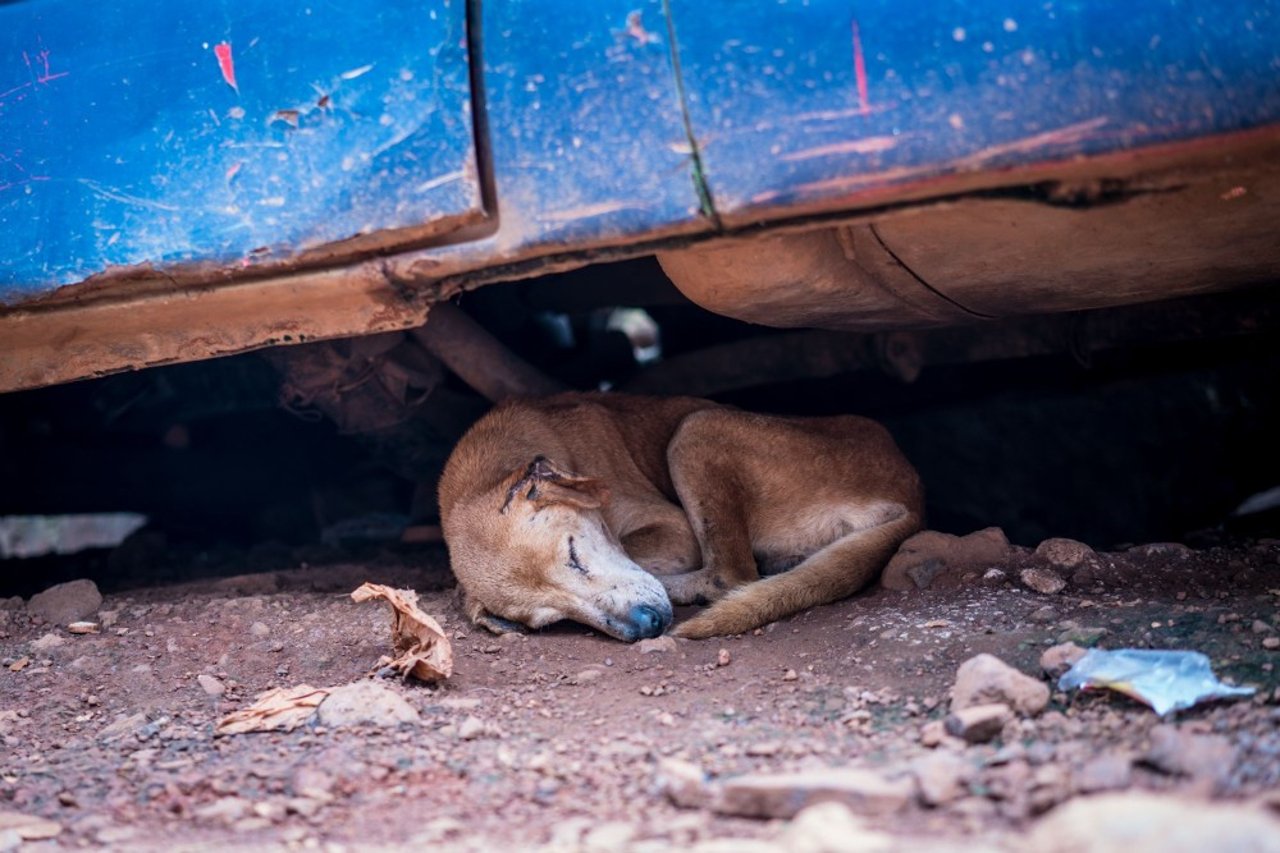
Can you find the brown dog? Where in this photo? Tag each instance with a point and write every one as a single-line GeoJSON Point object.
{"type": "Point", "coordinates": [606, 508]}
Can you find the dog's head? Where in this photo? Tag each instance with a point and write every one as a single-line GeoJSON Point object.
{"type": "Point", "coordinates": [536, 549]}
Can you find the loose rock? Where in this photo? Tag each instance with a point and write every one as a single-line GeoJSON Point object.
{"type": "Point", "coordinates": [924, 556]}
{"type": "Point", "coordinates": [210, 685]}
{"type": "Point", "coordinates": [1066, 553]}
{"type": "Point", "coordinates": [1104, 773]}
{"type": "Point", "coordinates": [1083, 635]}
{"type": "Point", "coordinates": [609, 836]}
{"type": "Point", "coordinates": [941, 778]}
{"type": "Point", "coordinates": [984, 679]}
{"type": "Point", "coordinates": [1056, 660]}
{"type": "Point", "coordinates": [28, 827]}
{"type": "Point", "coordinates": [978, 723]}
{"type": "Point", "coordinates": [48, 642]}
{"type": "Point", "coordinates": [785, 794]}
{"type": "Point", "coordinates": [1145, 823]}
{"type": "Point", "coordinates": [1180, 753]}
{"type": "Point", "coordinates": [66, 602]}
{"type": "Point", "coordinates": [471, 728]}
{"type": "Point", "coordinates": [684, 784]}
{"type": "Point", "coordinates": [365, 702]}
{"type": "Point", "coordinates": [1043, 581]}
{"type": "Point", "coordinates": [665, 643]}
{"type": "Point", "coordinates": [831, 828]}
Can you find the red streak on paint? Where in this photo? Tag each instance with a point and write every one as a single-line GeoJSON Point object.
{"type": "Point", "coordinates": [860, 72]}
{"type": "Point", "coordinates": [226, 64]}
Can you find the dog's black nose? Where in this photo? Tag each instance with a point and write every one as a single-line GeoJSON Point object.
{"type": "Point", "coordinates": [648, 621]}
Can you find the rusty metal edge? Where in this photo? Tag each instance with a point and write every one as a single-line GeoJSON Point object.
{"type": "Point", "coordinates": [58, 343]}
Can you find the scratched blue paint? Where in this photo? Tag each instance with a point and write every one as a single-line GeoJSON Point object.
{"type": "Point", "coordinates": [958, 85]}
{"type": "Point", "coordinates": [128, 146]}
{"type": "Point", "coordinates": [121, 143]}
{"type": "Point", "coordinates": [584, 120]}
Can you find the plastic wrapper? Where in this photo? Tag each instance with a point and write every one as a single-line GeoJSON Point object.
{"type": "Point", "coordinates": [1165, 680]}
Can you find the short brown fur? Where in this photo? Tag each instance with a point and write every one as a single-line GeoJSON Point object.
{"type": "Point", "coordinates": [701, 496]}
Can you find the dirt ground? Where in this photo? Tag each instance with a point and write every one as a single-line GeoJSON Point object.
{"type": "Point", "coordinates": [555, 739]}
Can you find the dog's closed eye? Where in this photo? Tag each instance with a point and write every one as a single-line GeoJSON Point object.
{"type": "Point", "coordinates": [574, 562]}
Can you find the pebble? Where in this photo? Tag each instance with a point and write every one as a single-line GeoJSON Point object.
{"type": "Point", "coordinates": [260, 630]}
{"type": "Point", "coordinates": [1183, 753]}
{"type": "Point", "coordinates": [84, 628]}
{"type": "Point", "coordinates": [790, 675]}
{"type": "Point", "coordinates": [723, 658]}
{"type": "Point", "coordinates": [1139, 822]}
{"type": "Point", "coordinates": [683, 783]}
{"type": "Point", "coordinates": [941, 778]}
{"type": "Point", "coordinates": [210, 685]}
{"type": "Point", "coordinates": [1271, 643]}
{"type": "Point", "coordinates": [1056, 660]}
{"type": "Point", "coordinates": [225, 810]}
{"type": "Point", "coordinates": [48, 642]}
{"type": "Point", "coordinates": [1083, 635]}
{"type": "Point", "coordinates": [1043, 615]}
{"type": "Point", "coordinates": [28, 827]}
{"type": "Point", "coordinates": [1104, 773]}
{"type": "Point", "coordinates": [66, 602]}
{"type": "Point", "coordinates": [122, 727]}
{"type": "Point", "coordinates": [657, 645]}
{"type": "Point", "coordinates": [608, 836]}
{"type": "Point", "coordinates": [1065, 553]}
{"type": "Point", "coordinates": [365, 702]}
{"type": "Point", "coordinates": [985, 679]}
{"type": "Point", "coordinates": [782, 795]}
{"type": "Point", "coordinates": [978, 723]}
{"type": "Point", "coordinates": [586, 676]}
{"type": "Point", "coordinates": [471, 728]}
{"type": "Point", "coordinates": [830, 828]}
{"type": "Point", "coordinates": [1043, 581]}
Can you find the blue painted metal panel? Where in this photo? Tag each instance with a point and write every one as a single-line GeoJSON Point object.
{"type": "Point", "coordinates": [584, 124]}
{"type": "Point", "coordinates": [584, 120]}
{"type": "Point", "coordinates": [798, 102]}
{"type": "Point", "coordinates": [138, 132]}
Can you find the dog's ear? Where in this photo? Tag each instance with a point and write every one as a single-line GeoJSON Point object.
{"type": "Point", "coordinates": [544, 482]}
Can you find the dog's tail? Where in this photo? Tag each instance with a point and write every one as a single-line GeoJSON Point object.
{"type": "Point", "coordinates": [835, 572]}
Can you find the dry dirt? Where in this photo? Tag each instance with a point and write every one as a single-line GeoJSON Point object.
{"type": "Point", "coordinates": [555, 738]}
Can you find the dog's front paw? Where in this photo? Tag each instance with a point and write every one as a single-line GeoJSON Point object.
{"type": "Point", "coordinates": [498, 625]}
{"type": "Point", "coordinates": [700, 587]}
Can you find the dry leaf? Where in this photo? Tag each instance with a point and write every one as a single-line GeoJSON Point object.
{"type": "Point", "coordinates": [280, 709]}
{"type": "Point", "coordinates": [20, 664]}
{"type": "Point", "coordinates": [422, 648]}
{"type": "Point", "coordinates": [28, 827]}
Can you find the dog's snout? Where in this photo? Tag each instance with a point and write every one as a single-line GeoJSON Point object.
{"type": "Point", "coordinates": [648, 621]}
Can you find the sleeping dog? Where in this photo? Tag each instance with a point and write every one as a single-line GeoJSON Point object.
{"type": "Point", "coordinates": [607, 508]}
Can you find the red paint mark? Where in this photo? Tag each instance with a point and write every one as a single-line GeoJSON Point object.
{"type": "Point", "coordinates": [635, 29]}
{"type": "Point", "coordinates": [860, 72]}
{"type": "Point", "coordinates": [41, 67]}
{"type": "Point", "coordinates": [38, 70]}
{"type": "Point", "coordinates": [226, 64]}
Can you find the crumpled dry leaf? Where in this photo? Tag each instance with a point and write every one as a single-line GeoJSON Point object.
{"type": "Point", "coordinates": [29, 827]}
{"type": "Point", "coordinates": [423, 649]}
{"type": "Point", "coordinates": [279, 709]}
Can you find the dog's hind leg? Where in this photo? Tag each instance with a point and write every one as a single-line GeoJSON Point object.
{"type": "Point", "coordinates": [838, 570]}
{"type": "Point", "coordinates": [708, 482]}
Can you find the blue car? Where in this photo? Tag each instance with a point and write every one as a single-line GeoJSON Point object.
{"type": "Point", "coordinates": [181, 181]}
